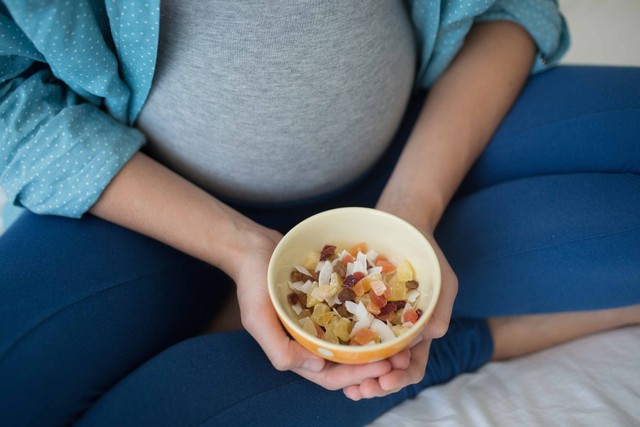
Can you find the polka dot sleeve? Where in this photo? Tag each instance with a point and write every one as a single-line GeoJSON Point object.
{"type": "Point", "coordinates": [57, 154]}
{"type": "Point", "coordinates": [441, 27]}
{"type": "Point", "coordinates": [73, 77]}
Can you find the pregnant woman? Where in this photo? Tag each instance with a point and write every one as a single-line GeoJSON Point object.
{"type": "Point", "coordinates": [162, 150]}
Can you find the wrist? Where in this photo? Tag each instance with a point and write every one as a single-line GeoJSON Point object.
{"type": "Point", "coordinates": [420, 207]}
{"type": "Point", "coordinates": [244, 239]}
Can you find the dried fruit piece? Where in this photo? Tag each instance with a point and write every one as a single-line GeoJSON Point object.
{"type": "Point", "coordinates": [327, 252]}
{"type": "Point", "coordinates": [356, 298]}
{"type": "Point", "coordinates": [387, 266]}
{"type": "Point", "coordinates": [340, 269]}
{"type": "Point", "coordinates": [363, 336]}
{"type": "Point", "coordinates": [398, 292]}
{"type": "Point", "coordinates": [308, 326]}
{"type": "Point", "coordinates": [405, 272]}
{"type": "Point", "coordinates": [379, 300]}
{"type": "Point", "coordinates": [318, 311]}
{"type": "Point", "coordinates": [411, 284]}
{"type": "Point", "coordinates": [346, 294]}
{"type": "Point", "coordinates": [293, 298]}
{"type": "Point", "coordinates": [360, 247]}
{"type": "Point", "coordinates": [409, 315]}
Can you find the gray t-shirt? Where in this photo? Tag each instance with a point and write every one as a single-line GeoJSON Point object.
{"type": "Point", "coordinates": [272, 101]}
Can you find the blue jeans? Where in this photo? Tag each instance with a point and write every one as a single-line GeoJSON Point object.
{"type": "Point", "coordinates": [103, 326]}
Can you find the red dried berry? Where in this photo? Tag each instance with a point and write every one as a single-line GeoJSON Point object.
{"type": "Point", "coordinates": [293, 298]}
{"type": "Point", "coordinates": [388, 311]}
{"type": "Point", "coordinates": [419, 312]}
{"type": "Point", "coordinates": [359, 275]}
{"type": "Point", "coordinates": [327, 251]}
{"type": "Point", "coordinates": [349, 281]}
{"type": "Point", "coordinates": [401, 304]}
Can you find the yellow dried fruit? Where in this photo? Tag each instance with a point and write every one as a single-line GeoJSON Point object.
{"type": "Point", "coordinates": [311, 260]}
{"type": "Point", "coordinates": [404, 271]}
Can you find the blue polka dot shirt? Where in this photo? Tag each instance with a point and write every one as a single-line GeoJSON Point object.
{"type": "Point", "coordinates": [74, 74]}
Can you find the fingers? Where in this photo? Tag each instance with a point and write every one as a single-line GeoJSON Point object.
{"type": "Point", "coordinates": [397, 378]}
{"type": "Point", "coordinates": [439, 322]}
{"type": "Point", "coordinates": [339, 376]}
{"type": "Point", "coordinates": [284, 353]}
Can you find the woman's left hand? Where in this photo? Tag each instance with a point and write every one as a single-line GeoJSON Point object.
{"type": "Point", "coordinates": [409, 366]}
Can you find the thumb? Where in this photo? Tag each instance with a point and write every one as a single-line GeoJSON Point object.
{"type": "Point", "coordinates": [284, 353]}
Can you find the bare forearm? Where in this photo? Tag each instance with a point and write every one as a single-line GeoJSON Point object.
{"type": "Point", "coordinates": [461, 113]}
{"type": "Point", "coordinates": [148, 198]}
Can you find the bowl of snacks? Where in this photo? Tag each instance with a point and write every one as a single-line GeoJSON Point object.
{"type": "Point", "coordinates": [354, 285]}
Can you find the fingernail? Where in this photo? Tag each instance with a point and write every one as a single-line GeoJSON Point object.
{"type": "Point", "coordinates": [416, 341]}
{"type": "Point", "coordinates": [313, 365]}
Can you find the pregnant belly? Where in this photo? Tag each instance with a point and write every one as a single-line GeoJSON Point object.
{"type": "Point", "coordinates": [275, 101]}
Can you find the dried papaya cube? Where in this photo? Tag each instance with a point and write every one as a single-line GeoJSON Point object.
{"type": "Point", "coordinates": [363, 336]}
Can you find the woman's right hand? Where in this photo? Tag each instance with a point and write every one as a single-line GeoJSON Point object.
{"type": "Point", "coordinates": [261, 321]}
{"type": "Point", "coordinates": [149, 198]}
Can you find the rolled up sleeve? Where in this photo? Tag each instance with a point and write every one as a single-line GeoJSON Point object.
{"type": "Point", "coordinates": [73, 77]}
{"type": "Point", "coordinates": [544, 22]}
{"type": "Point", "coordinates": [57, 151]}
{"type": "Point", "coordinates": [442, 26]}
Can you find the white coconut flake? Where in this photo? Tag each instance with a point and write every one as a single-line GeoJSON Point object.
{"type": "Point", "coordinates": [407, 324]}
{"type": "Point", "coordinates": [334, 300]}
{"type": "Point", "coordinates": [412, 295]}
{"type": "Point", "coordinates": [303, 270]}
{"type": "Point", "coordinates": [384, 332]}
{"type": "Point", "coordinates": [343, 254]}
{"type": "Point", "coordinates": [371, 257]}
{"type": "Point", "coordinates": [303, 287]}
{"type": "Point", "coordinates": [359, 311]}
{"type": "Point", "coordinates": [319, 265]}
{"type": "Point", "coordinates": [362, 259]}
{"type": "Point", "coordinates": [374, 270]}
{"type": "Point", "coordinates": [349, 269]}
{"type": "Point", "coordinates": [297, 308]}
{"type": "Point", "coordinates": [359, 267]}
{"type": "Point", "coordinates": [325, 274]}
{"type": "Point", "coordinates": [294, 285]}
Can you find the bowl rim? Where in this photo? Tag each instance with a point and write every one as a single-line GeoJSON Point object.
{"type": "Point", "coordinates": [437, 282]}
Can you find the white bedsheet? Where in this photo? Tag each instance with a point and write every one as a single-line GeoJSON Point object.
{"type": "Point", "coordinates": [594, 381]}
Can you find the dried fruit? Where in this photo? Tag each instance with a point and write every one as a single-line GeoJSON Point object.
{"type": "Point", "coordinates": [327, 252]}
{"type": "Point", "coordinates": [357, 297]}
{"type": "Point", "coordinates": [293, 298]}
{"type": "Point", "coordinates": [411, 284]}
{"type": "Point", "coordinates": [340, 269]}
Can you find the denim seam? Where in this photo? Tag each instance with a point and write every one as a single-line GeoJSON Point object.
{"type": "Point", "coordinates": [65, 308]}
{"type": "Point", "coordinates": [568, 119]}
{"type": "Point", "coordinates": [246, 399]}
{"type": "Point", "coordinates": [599, 236]}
